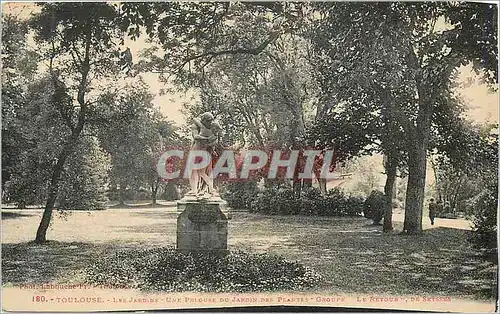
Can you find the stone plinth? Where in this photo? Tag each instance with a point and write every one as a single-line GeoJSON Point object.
{"type": "Point", "coordinates": [201, 226]}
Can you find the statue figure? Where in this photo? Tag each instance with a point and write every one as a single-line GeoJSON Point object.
{"type": "Point", "coordinates": [205, 132]}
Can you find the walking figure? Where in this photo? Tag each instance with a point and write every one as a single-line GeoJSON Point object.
{"type": "Point", "coordinates": [432, 210]}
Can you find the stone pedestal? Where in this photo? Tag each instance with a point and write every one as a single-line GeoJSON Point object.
{"type": "Point", "coordinates": [202, 226]}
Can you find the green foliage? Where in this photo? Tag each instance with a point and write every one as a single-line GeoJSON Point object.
{"type": "Point", "coordinates": [467, 162]}
{"type": "Point", "coordinates": [85, 177]}
{"type": "Point", "coordinates": [165, 269]}
{"type": "Point", "coordinates": [342, 204]}
{"type": "Point", "coordinates": [476, 29]}
{"type": "Point", "coordinates": [81, 186]}
{"type": "Point", "coordinates": [277, 200]}
{"type": "Point", "coordinates": [252, 79]}
{"type": "Point", "coordinates": [196, 33]}
{"type": "Point", "coordinates": [374, 206]}
{"type": "Point", "coordinates": [81, 31]}
{"type": "Point", "coordinates": [484, 210]}
{"type": "Point", "coordinates": [125, 129]}
{"type": "Point", "coordinates": [18, 67]}
{"type": "Point", "coordinates": [172, 190]}
{"type": "Point", "coordinates": [348, 132]}
{"type": "Point", "coordinates": [392, 58]}
{"type": "Point", "coordinates": [259, 100]}
{"type": "Point", "coordinates": [239, 195]}
{"type": "Point", "coordinates": [40, 132]}
{"type": "Point", "coordinates": [281, 200]}
{"type": "Point", "coordinates": [135, 134]}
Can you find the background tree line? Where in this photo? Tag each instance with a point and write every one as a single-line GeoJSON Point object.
{"type": "Point", "coordinates": [358, 78]}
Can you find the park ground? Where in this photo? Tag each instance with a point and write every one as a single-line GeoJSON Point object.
{"type": "Point", "coordinates": [353, 257]}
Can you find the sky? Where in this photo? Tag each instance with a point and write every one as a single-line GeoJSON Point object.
{"type": "Point", "coordinates": [483, 104]}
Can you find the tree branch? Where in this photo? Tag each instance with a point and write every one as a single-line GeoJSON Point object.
{"type": "Point", "coordinates": [253, 51]}
{"type": "Point", "coordinates": [396, 112]}
{"type": "Point", "coordinates": [85, 69]}
{"type": "Point", "coordinates": [55, 81]}
{"type": "Point", "coordinates": [76, 53]}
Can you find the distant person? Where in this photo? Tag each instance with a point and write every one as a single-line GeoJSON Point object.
{"type": "Point", "coordinates": [432, 210]}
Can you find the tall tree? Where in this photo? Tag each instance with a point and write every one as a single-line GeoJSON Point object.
{"type": "Point", "coordinates": [464, 154]}
{"type": "Point", "coordinates": [40, 130]}
{"type": "Point", "coordinates": [192, 34]}
{"type": "Point", "coordinates": [395, 51]}
{"type": "Point", "coordinates": [79, 43]}
{"type": "Point", "coordinates": [18, 69]}
{"type": "Point", "coordinates": [135, 135]}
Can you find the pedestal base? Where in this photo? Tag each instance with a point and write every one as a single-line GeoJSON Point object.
{"type": "Point", "coordinates": [201, 226]}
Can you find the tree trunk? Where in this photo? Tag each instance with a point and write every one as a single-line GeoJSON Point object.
{"type": "Point", "coordinates": [121, 193]}
{"type": "Point", "coordinates": [297, 187]}
{"type": "Point", "coordinates": [322, 185]}
{"type": "Point", "coordinates": [171, 192]}
{"type": "Point", "coordinates": [153, 195]}
{"type": "Point", "coordinates": [395, 189]}
{"type": "Point", "coordinates": [154, 190]}
{"type": "Point", "coordinates": [306, 183]}
{"type": "Point", "coordinates": [41, 233]}
{"type": "Point", "coordinates": [391, 170]}
{"type": "Point", "coordinates": [414, 202]}
{"type": "Point", "coordinates": [418, 142]}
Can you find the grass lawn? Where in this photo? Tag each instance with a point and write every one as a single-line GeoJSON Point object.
{"type": "Point", "coordinates": [351, 255]}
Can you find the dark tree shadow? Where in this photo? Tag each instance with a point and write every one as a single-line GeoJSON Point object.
{"type": "Point", "coordinates": [439, 261]}
{"type": "Point", "coordinates": [350, 255]}
{"type": "Point", "coordinates": [155, 215]}
{"type": "Point", "coordinates": [12, 215]}
{"type": "Point", "coordinates": [142, 205]}
{"type": "Point", "coordinates": [30, 263]}
{"type": "Point", "coordinates": [159, 228]}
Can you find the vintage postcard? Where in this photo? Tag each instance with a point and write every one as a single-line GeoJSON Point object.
{"type": "Point", "coordinates": [277, 156]}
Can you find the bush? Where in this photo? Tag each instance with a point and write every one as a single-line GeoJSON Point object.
{"type": "Point", "coordinates": [313, 203]}
{"type": "Point", "coordinates": [82, 183]}
{"type": "Point", "coordinates": [374, 206]}
{"type": "Point", "coordinates": [171, 191]}
{"type": "Point", "coordinates": [353, 206]}
{"type": "Point", "coordinates": [277, 200]}
{"type": "Point", "coordinates": [164, 269]}
{"type": "Point", "coordinates": [239, 195]}
{"type": "Point", "coordinates": [338, 204]}
{"type": "Point", "coordinates": [84, 179]}
{"type": "Point", "coordinates": [281, 200]}
{"type": "Point", "coordinates": [483, 209]}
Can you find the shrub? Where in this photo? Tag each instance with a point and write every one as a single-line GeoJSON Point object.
{"type": "Point", "coordinates": [277, 200]}
{"type": "Point", "coordinates": [81, 185]}
{"type": "Point", "coordinates": [240, 194]}
{"type": "Point", "coordinates": [339, 204]}
{"type": "Point", "coordinates": [483, 209]}
{"type": "Point", "coordinates": [171, 191]}
{"type": "Point", "coordinates": [168, 270]}
{"type": "Point", "coordinates": [282, 200]}
{"type": "Point", "coordinates": [312, 201]}
{"type": "Point", "coordinates": [84, 178]}
{"type": "Point", "coordinates": [354, 206]}
{"type": "Point", "coordinates": [374, 206]}
{"type": "Point", "coordinates": [287, 202]}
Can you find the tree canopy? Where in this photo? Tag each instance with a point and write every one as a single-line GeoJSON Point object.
{"type": "Point", "coordinates": [358, 78]}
